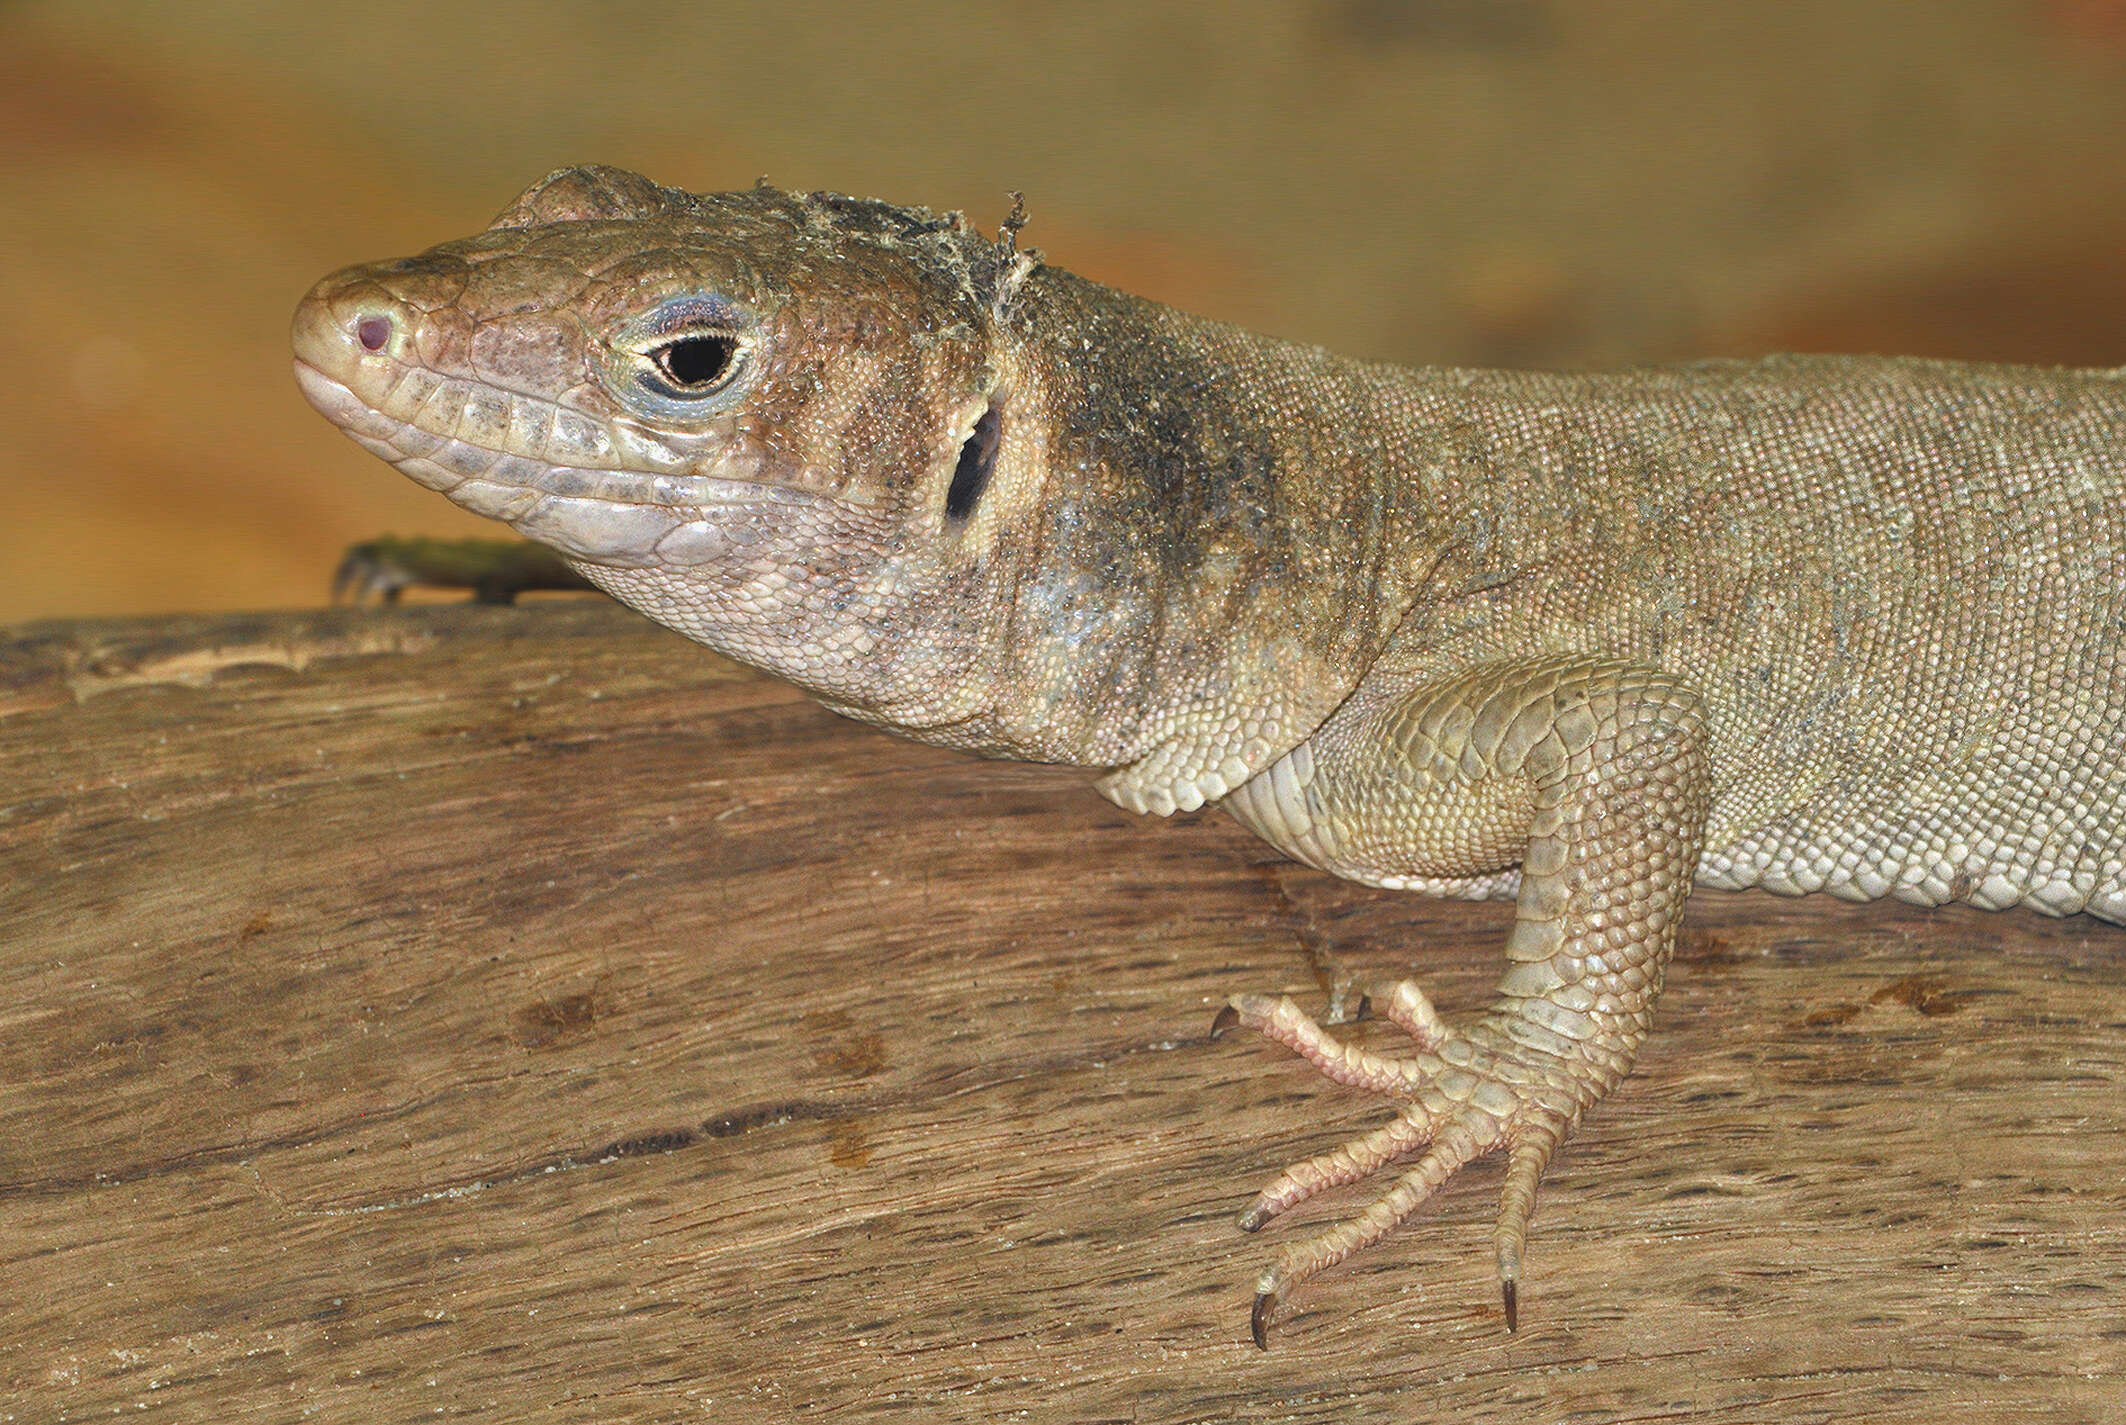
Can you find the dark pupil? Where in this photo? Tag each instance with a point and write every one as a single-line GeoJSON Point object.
{"type": "Point", "coordinates": [696, 360]}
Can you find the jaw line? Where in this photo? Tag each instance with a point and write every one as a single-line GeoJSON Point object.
{"type": "Point", "coordinates": [620, 518]}
{"type": "Point", "coordinates": [401, 442]}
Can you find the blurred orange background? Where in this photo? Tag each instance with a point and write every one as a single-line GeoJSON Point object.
{"type": "Point", "coordinates": [1540, 182]}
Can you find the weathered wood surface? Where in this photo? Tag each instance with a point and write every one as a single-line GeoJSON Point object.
{"type": "Point", "coordinates": [520, 1014]}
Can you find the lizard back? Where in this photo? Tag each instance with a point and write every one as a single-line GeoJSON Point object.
{"type": "Point", "coordinates": [1900, 586]}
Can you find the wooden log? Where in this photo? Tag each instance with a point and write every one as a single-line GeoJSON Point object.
{"type": "Point", "coordinates": [521, 1013]}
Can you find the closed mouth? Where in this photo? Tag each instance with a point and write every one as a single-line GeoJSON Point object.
{"type": "Point", "coordinates": [476, 474]}
{"type": "Point", "coordinates": [596, 515]}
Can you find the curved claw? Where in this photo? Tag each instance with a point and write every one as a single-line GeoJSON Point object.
{"type": "Point", "coordinates": [1225, 1020]}
{"type": "Point", "coordinates": [1524, 1168]}
{"type": "Point", "coordinates": [1259, 1318]}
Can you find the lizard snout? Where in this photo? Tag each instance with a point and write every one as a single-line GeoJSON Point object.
{"type": "Point", "coordinates": [350, 322]}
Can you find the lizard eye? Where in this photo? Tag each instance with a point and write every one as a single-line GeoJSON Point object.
{"type": "Point", "coordinates": [682, 359]}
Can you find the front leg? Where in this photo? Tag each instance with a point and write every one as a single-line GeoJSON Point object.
{"type": "Point", "coordinates": [1592, 775]}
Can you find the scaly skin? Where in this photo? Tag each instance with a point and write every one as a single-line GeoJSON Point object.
{"type": "Point", "coordinates": [1830, 623]}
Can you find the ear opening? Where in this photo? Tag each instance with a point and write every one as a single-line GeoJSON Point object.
{"type": "Point", "coordinates": [978, 456]}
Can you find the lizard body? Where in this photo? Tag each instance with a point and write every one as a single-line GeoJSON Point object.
{"type": "Point", "coordinates": [1808, 623]}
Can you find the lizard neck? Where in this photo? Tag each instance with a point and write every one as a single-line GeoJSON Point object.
{"type": "Point", "coordinates": [1226, 531]}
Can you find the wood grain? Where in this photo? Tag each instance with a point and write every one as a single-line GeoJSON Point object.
{"type": "Point", "coordinates": [478, 1013]}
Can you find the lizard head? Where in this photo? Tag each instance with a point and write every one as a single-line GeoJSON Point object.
{"type": "Point", "coordinates": [945, 489]}
{"type": "Point", "coordinates": [768, 420]}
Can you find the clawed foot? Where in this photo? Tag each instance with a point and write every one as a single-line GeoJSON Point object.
{"type": "Point", "coordinates": [1463, 1093]}
{"type": "Point", "coordinates": [495, 570]}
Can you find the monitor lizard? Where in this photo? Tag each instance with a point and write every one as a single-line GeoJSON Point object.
{"type": "Point", "coordinates": [1820, 623]}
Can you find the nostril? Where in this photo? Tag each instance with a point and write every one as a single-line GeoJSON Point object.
{"type": "Point", "coordinates": [373, 332]}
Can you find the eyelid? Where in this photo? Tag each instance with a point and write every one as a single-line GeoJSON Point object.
{"type": "Point", "coordinates": [695, 312]}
